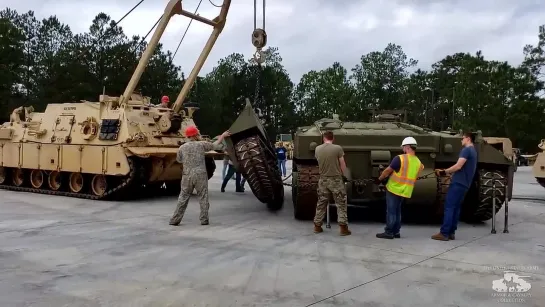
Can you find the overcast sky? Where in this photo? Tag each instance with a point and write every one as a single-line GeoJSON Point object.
{"type": "Point", "coordinates": [312, 34]}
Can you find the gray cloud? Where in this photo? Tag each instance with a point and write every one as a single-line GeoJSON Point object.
{"type": "Point", "coordinates": [312, 34]}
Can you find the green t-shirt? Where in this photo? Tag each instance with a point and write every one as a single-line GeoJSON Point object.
{"type": "Point", "coordinates": [328, 159]}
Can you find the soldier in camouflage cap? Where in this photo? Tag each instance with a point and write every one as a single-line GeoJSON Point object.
{"type": "Point", "coordinates": [191, 156]}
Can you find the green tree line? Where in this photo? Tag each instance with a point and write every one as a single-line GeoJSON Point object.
{"type": "Point", "coordinates": [42, 62]}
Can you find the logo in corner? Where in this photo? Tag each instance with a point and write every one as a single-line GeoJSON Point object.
{"type": "Point", "coordinates": [511, 283]}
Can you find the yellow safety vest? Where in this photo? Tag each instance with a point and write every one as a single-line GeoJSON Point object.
{"type": "Point", "coordinates": [402, 183]}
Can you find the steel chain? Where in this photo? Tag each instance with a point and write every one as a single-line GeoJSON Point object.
{"type": "Point", "coordinates": [357, 182]}
{"type": "Point", "coordinates": [257, 84]}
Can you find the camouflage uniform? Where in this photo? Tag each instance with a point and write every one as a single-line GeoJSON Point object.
{"type": "Point", "coordinates": [194, 176]}
{"type": "Point", "coordinates": [326, 187]}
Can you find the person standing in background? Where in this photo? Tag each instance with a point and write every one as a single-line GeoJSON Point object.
{"type": "Point", "coordinates": [230, 172]}
{"type": "Point", "coordinates": [164, 102]}
{"type": "Point", "coordinates": [281, 154]}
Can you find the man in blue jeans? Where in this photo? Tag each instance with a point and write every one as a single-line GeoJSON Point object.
{"type": "Point", "coordinates": [238, 177]}
{"type": "Point", "coordinates": [281, 156]}
{"type": "Point", "coordinates": [463, 173]}
{"type": "Point", "coordinates": [225, 165]}
{"type": "Point", "coordinates": [402, 174]}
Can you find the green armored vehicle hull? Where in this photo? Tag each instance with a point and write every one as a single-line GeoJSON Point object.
{"type": "Point", "coordinates": [369, 148]}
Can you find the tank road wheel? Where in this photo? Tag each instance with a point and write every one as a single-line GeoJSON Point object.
{"type": "Point", "coordinates": [54, 180]}
{"type": "Point", "coordinates": [304, 192]}
{"type": "Point", "coordinates": [210, 166]}
{"type": "Point", "coordinates": [18, 177]}
{"type": "Point", "coordinates": [3, 175]}
{"type": "Point", "coordinates": [99, 185]}
{"type": "Point", "coordinates": [75, 182]}
{"type": "Point", "coordinates": [298, 212]}
{"type": "Point", "coordinates": [541, 181]}
{"type": "Point", "coordinates": [37, 178]}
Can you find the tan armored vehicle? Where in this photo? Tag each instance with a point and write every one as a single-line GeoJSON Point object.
{"type": "Point", "coordinates": [538, 169]}
{"type": "Point", "coordinates": [505, 146]}
{"type": "Point", "coordinates": [100, 149]}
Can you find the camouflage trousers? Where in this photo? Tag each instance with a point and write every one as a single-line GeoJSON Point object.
{"type": "Point", "coordinates": [334, 186]}
{"type": "Point", "coordinates": [198, 182]}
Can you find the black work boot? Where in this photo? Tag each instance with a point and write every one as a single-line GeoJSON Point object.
{"type": "Point", "coordinates": [397, 236]}
{"type": "Point", "coordinates": [385, 236]}
{"type": "Point", "coordinates": [174, 223]}
{"type": "Point", "coordinates": [205, 222]}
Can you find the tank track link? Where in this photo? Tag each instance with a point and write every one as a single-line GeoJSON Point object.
{"type": "Point", "coordinates": [305, 184]}
{"type": "Point", "coordinates": [258, 166]}
{"type": "Point", "coordinates": [304, 191]}
{"type": "Point", "coordinates": [116, 192]}
{"type": "Point", "coordinates": [477, 207]}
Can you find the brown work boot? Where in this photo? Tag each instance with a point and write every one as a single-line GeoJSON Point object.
{"type": "Point", "coordinates": [344, 230]}
{"type": "Point", "coordinates": [318, 228]}
{"type": "Point", "coordinates": [439, 236]}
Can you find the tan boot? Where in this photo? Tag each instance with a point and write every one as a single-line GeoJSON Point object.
{"type": "Point", "coordinates": [318, 228]}
{"type": "Point", "coordinates": [344, 230]}
{"type": "Point", "coordinates": [438, 236]}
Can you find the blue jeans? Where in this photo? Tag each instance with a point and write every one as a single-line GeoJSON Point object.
{"type": "Point", "coordinates": [282, 167]}
{"type": "Point", "coordinates": [453, 203]}
{"type": "Point", "coordinates": [224, 171]}
{"type": "Point", "coordinates": [230, 172]}
{"type": "Point", "coordinates": [393, 213]}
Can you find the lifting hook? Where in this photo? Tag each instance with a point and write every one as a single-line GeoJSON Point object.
{"type": "Point", "coordinates": [259, 36]}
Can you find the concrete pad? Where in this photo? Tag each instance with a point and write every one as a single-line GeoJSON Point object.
{"type": "Point", "coordinates": [58, 251]}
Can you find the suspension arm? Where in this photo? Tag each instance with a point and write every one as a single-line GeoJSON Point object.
{"type": "Point", "coordinates": [174, 7]}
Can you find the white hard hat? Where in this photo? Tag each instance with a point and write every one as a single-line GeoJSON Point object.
{"type": "Point", "coordinates": [408, 141]}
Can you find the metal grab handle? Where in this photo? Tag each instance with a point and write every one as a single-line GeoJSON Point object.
{"type": "Point", "coordinates": [506, 210]}
{"type": "Point", "coordinates": [493, 208]}
{"type": "Point", "coordinates": [328, 222]}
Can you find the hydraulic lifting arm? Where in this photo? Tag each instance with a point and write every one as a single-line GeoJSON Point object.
{"type": "Point", "coordinates": [259, 40]}
{"type": "Point", "coordinates": [217, 23]}
{"type": "Point", "coordinates": [175, 7]}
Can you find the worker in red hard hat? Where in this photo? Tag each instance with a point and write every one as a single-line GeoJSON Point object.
{"type": "Point", "coordinates": [164, 102]}
{"type": "Point", "coordinates": [191, 155]}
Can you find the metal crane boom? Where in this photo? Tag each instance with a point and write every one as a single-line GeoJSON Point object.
{"type": "Point", "coordinates": [175, 7]}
